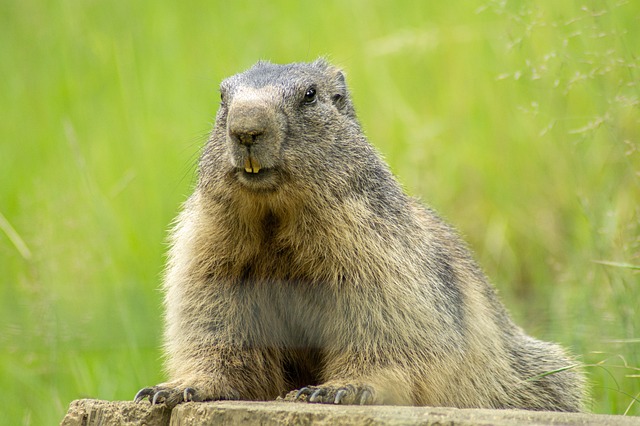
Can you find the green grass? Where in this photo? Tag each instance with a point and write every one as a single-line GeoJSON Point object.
{"type": "Point", "coordinates": [518, 121]}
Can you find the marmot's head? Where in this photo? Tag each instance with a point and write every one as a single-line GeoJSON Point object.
{"type": "Point", "coordinates": [283, 125]}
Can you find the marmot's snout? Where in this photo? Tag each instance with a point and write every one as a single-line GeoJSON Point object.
{"type": "Point", "coordinates": [253, 135]}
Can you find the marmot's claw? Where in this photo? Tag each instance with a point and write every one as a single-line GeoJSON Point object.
{"type": "Point", "coordinates": [160, 396]}
{"type": "Point", "coordinates": [190, 394]}
{"type": "Point", "coordinates": [366, 398]}
{"type": "Point", "coordinates": [168, 396]}
{"type": "Point", "coordinates": [143, 393]}
{"type": "Point", "coordinates": [317, 395]}
{"type": "Point", "coordinates": [303, 391]}
{"type": "Point", "coordinates": [340, 396]}
{"type": "Point", "coordinates": [350, 394]}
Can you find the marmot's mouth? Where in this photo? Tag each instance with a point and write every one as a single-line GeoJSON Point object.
{"type": "Point", "coordinates": [255, 175]}
{"type": "Point", "coordinates": [258, 180]}
{"type": "Point", "coordinates": [251, 164]}
{"type": "Point", "coordinates": [253, 172]}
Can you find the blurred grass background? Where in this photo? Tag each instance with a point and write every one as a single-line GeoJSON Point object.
{"type": "Point", "coordinates": [518, 121]}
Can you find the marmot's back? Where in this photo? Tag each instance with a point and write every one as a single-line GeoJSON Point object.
{"type": "Point", "coordinates": [299, 263]}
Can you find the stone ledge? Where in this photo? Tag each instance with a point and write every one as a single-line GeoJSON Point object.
{"type": "Point", "coordinates": [90, 412]}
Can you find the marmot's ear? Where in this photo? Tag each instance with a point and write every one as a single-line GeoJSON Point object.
{"type": "Point", "coordinates": [340, 96]}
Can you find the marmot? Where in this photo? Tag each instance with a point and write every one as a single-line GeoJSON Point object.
{"type": "Point", "coordinates": [300, 268]}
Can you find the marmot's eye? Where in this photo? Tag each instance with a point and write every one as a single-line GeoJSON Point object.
{"type": "Point", "coordinates": [310, 95]}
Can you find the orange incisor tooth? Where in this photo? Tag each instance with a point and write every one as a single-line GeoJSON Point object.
{"type": "Point", "coordinates": [255, 164]}
{"type": "Point", "coordinates": [247, 165]}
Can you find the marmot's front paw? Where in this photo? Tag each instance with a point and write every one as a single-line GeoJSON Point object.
{"type": "Point", "coordinates": [167, 395]}
{"type": "Point", "coordinates": [348, 394]}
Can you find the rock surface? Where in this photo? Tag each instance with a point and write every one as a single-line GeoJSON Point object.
{"type": "Point", "coordinates": [95, 412]}
{"type": "Point", "coordinates": [92, 412]}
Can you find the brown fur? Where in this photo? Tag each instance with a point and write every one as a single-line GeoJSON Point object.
{"type": "Point", "coordinates": [318, 273]}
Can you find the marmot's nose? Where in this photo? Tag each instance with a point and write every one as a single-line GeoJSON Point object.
{"type": "Point", "coordinates": [245, 137]}
{"type": "Point", "coordinates": [248, 123]}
